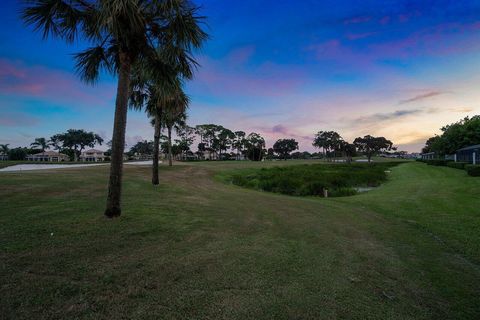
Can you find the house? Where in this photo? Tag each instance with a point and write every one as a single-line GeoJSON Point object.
{"type": "Point", "coordinates": [93, 155]}
{"type": "Point", "coordinates": [3, 156]}
{"type": "Point", "coordinates": [470, 154]}
{"type": "Point", "coordinates": [48, 156]}
{"type": "Point", "coordinates": [428, 156]}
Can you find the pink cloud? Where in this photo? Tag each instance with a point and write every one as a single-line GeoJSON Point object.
{"type": "Point", "coordinates": [16, 78]}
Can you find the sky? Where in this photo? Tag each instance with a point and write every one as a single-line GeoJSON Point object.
{"type": "Point", "coordinates": [283, 69]}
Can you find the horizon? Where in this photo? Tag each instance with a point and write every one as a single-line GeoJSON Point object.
{"type": "Point", "coordinates": [401, 70]}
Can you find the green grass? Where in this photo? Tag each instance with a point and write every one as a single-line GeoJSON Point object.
{"type": "Point", "coordinates": [198, 248]}
{"type": "Point", "coordinates": [313, 180]}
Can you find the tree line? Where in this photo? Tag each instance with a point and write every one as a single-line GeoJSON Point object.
{"type": "Point", "coordinates": [219, 143]}
{"type": "Point", "coordinates": [72, 143]}
{"type": "Point", "coordinates": [457, 135]}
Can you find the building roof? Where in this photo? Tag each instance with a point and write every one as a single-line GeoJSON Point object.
{"type": "Point", "coordinates": [475, 146]}
{"type": "Point", "coordinates": [94, 151]}
{"type": "Point", "coordinates": [48, 154]}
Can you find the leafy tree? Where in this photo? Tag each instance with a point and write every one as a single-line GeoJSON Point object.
{"type": "Point", "coordinates": [455, 136]}
{"type": "Point", "coordinates": [372, 145]}
{"type": "Point", "coordinates": [254, 144]}
{"type": "Point", "coordinates": [209, 136]}
{"type": "Point", "coordinates": [348, 149]}
{"type": "Point", "coordinates": [283, 147]}
{"type": "Point", "coordinates": [329, 141]}
{"type": "Point", "coordinates": [239, 143]}
{"type": "Point", "coordinates": [41, 143]}
{"type": "Point", "coordinates": [186, 136]}
{"type": "Point", "coordinates": [17, 153]}
{"type": "Point", "coordinates": [75, 140]}
{"type": "Point", "coordinates": [301, 155]}
{"type": "Point", "coordinates": [270, 154]}
{"type": "Point", "coordinates": [201, 149]}
{"type": "Point", "coordinates": [225, 139]}
{"type": "Point", "coordinates": [142, 148]}
{"type": "Point", "coordinates": [123, 33]}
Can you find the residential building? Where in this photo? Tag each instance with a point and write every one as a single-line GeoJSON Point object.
{"type": "Point", "coordinates": [93, 155]}
{"type": "Point", "coordinates": [470, 154]}
{"type": "Point", "coordinates": [428, 156]}
{"type": "Point", "coordinates": [48, 156]}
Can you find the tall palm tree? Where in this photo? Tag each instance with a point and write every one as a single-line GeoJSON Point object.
{"type": "Point", "coordinates": [40, 142]}
{"type": "Point", "coordinates": [153, 96]}
{"type": "Point", "coordinates": [123, 33]}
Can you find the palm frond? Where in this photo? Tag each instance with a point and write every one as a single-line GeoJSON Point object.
{"type": "Point", "coordinates": [90, 62]}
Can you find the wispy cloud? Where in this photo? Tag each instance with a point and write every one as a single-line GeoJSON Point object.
{"type": "Point", "coordinates": [376, 117]}
{"type": "Point", "coordinates": [422, 96]}
{"type": "Point", "coordinates": [17, 119]}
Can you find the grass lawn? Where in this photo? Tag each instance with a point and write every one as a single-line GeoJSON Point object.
{"type": "Point", "coordinates": [198, 248]}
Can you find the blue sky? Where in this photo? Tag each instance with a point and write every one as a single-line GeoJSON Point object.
{"type": "Point", "coordinates": [400, 69]}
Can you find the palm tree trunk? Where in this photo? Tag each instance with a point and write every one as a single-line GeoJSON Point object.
{"type": "Point", "coordinates": [169, 128]}
{"type": "Point", "coordinates": [156, 150]}
{"type": "Point", "coordinates": [118, 138]}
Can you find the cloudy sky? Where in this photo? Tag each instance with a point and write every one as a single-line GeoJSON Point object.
{"type": "Point", "coordinates": [400, 69]}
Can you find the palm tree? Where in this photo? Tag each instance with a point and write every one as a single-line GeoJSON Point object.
{"type": "Point", "coordinates": [153, 96]}
{"type": "Point", "coordinates": [174, 113]}
{"type": "Point", "coordinates": [4, 149]}
{"type": "Point", "coordinates": [123, 33]}
{"type": "Point", "coordinates": [40, 142]}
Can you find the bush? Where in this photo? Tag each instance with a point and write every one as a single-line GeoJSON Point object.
{"type": "Point", "coordinates": [312, 180]}
{"type": "Point", "coordinates": [457, 165]}
{"type": "Point", "coordinates": [437, 162]}
{"type": "Point", "coordinates": [473, 170]}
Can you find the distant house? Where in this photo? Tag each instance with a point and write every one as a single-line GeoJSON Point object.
{"type": "Point", "coordinates": [470, 154]}
{"type": "Point", "coordinates": [428, 156]}
{"type": "Point", "coordinates": [93, 155]}
{"type": "Point", "coordinates": [3, 156]}
{"type": "Point", "coordinates": [142, 156]}
{"type": "Point", "coordinates": [48, 156]}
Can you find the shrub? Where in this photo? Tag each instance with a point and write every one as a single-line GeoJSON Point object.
{"type": "Point", "coordinates": [473, 170]}
{"type": "Point", "coordinates": [437, 162]}
{"type": "Point", "coordinates": [457, 165]}
{"type": "Point", "coordinates": [312, 180]}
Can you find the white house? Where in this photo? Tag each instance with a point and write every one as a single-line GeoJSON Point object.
{"type": "Point", "coordinates": [48, 156]}
{"type": "Point", "coordinates": [93, 155]}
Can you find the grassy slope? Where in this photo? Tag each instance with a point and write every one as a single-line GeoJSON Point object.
{"type": "Point", "coordinates": [195, 247]}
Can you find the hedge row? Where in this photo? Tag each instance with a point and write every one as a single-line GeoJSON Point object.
{"type": "Point", "coordinates": [472, 170]}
